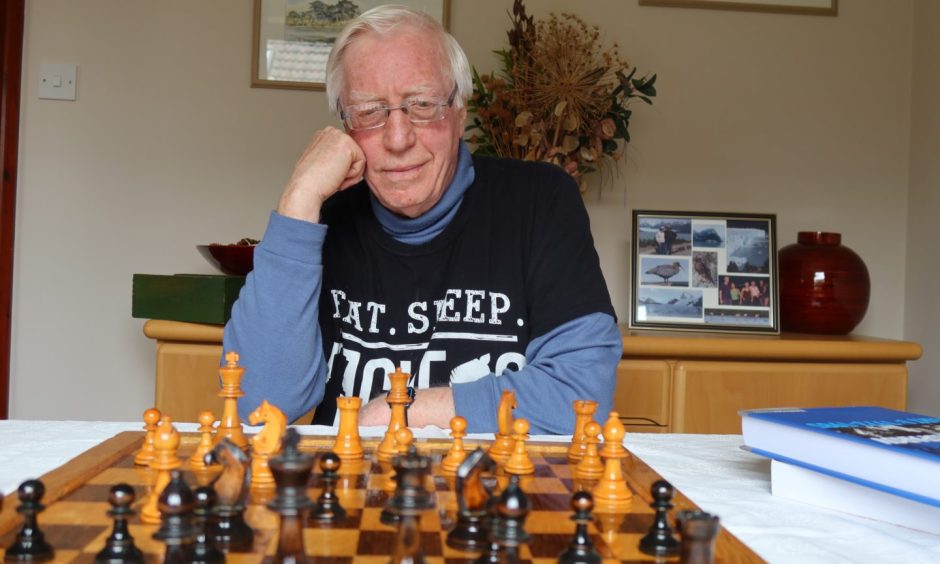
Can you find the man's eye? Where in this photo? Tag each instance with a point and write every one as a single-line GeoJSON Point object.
{"type": "Point", "coordinates": [369, 112]}
{"type": "Point", "coordinates": [422, 104]}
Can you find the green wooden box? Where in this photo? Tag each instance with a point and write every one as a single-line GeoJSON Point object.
{"type": "Point", "coordinates": [196, 298]}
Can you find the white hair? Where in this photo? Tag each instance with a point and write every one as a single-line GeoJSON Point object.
{"type": "Point", "coordinates": [383, 20]}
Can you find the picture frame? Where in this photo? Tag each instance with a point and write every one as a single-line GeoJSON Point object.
{"type": "Point", "coordinates": [805, 7]}
{"type": "Point", "coordinates": [291, 39]}
{"type": "Point", "coordinates": [704, 271]}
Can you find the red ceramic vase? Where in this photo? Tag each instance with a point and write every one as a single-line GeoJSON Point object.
{"type": "Point", "coordinates": [824, 286]}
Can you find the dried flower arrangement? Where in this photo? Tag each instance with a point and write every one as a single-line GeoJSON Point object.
{"type": "Point", "coordinates": [560, 96]}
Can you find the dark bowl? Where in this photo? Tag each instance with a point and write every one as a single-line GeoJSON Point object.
{"type": "Point", "coordinates": [236, 260]}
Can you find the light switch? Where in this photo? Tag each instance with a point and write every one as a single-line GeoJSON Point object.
{"type": "Point", "coordinates": [57, 82]}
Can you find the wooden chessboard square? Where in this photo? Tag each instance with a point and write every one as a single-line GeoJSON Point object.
{"type": "Point", "coordinates": [135, 476]}
{"type": "Point", "coordinates": [353, 520]}
{"type": "Point", "coordinates": [375, 498]}
{"type": "Point", "coordinates": [376, 481]}
{"type": "Point", "coordinates": [95, 492]}
{"type": "Point", "coordinates": [63, 537]}
{"type": "Point", "coordinates": [543, 545]}
{"type": "Point", "coordinates": [546, 485]}
{"type": "Point", "coordinates": [383, 543]}
{"type": "Point", "coordinates": [540, 521]}
{"type": "Point", "coordinates": [348, 498]}
{"type": "Point", "coordinates": [544, 471]}
{"type": "Point", "coordinates": [369, 520]}
{"type": "Point", "coordinates": [385, 560]}
{"type": "Point", "coordinates": [345, 481]}
{"type": "Point", "coordinates": [71, 512]}
{"type": "Point", "coordinates": [338, 542]}
{"type": "Point", "coordinates": [558, 502]}
{"type": "Point", "coordinates": [564, 471]}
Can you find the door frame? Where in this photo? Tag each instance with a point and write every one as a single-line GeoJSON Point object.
{"type": "Point", "coordinates": [12, 17]}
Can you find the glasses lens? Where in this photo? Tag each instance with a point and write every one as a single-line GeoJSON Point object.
{"type": "Point", "coordinates": [424, 109]}
{"type": "Point", "coordinates": [366, 116]}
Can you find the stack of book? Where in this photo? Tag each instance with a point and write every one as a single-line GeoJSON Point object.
{"type": "Point", "coordinates": [869, 461]}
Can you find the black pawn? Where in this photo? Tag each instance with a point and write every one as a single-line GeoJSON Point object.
{"type": "Point", "coordinates": [328, 508]}
{"type": "Point", "coordinates": [698, 531]}
{"type": "Point", "coordinates": [176, 530]}
{"type": "Point", "coordinates": [659, 541]}
{"type": "Point", "coordinates": [120, 545]}
{"type": "Point", "coordinates": [508, 529]}
{"type": "Point", "coordinates": [204, 550]}
{"type": "Point", "coordinates": [30, 544]}
{"type": "Point", "coordinates": [581, 550]}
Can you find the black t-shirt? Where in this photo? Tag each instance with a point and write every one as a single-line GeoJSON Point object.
{"type": "Point", "coordinates": [516, 261]}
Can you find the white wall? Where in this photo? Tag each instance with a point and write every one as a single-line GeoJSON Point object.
{"type": "Point", "coordinates": [168, 147]}
{"type": "Point", "coordinates": [921, 305]}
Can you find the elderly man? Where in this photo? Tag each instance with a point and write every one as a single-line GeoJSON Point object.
{"type": "Point", "coordinates": [392, 247]}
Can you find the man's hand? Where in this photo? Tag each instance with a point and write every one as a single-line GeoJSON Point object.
{"type": "Point", "coordinates": [330, 163]}
{"type": "Point", "coordinates": [432, 406]}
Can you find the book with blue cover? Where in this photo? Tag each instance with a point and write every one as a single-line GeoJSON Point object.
{"type": "Point", "coordinates": [894, 451]}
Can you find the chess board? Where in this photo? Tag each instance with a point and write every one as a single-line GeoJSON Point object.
{"type": "Point", "coordinates": [76, 524]}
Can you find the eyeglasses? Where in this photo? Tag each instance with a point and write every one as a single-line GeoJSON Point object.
{"type": "Point", "coordinates": [420, 110]}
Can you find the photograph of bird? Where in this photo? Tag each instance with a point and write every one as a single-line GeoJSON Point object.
{"type": "Point", "coordinates": [703, 271]}
{"type": "Point", "coordinates": [665, 271]}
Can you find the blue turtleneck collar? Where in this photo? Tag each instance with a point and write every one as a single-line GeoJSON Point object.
{"type": "Point", "coordinates": [431, 223]}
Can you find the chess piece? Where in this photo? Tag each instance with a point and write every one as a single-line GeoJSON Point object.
{"type": "Point", "coordinates": [403, 439]}
{"type": "Point", "coordinates": [698, 531]}
{"type": "Point", "coordinates": [591, 467]}
{"type": "Point", "coordinates": [177, 530]}
{"type": "Point", "coordinates": [266, 443]}
{"type": "Point", "coordinates": [583, 413]}
{"type": "Point", "coordinates": [166, 440]}
{"type": "Point", "coordinates": [229, 530]}
{"type": "Point", "coordinates": [410, 499]}
{"type": "Point", "coordinates": [659, 540]}
{"type": "Point", "coordinates": [508, 529]}
{"type": "Point", "coordinates": [30, 543]}
{"type": "Point", "coordinates": [230, 426]}
{"type": "Point", "coordinates": [519, 462]}
{"type": "Point", "coordinates": [611, 493]}
{"type": "Point", "coordinates": [291, 471]}
{"type": "Point", "coordinates": [204, 550]}
{"type": "Point", "coordinates": [328, 508]}
{"type": "Point", "coordinates": [503, 444]}
{"type": "Point", "coordinates": [348, 445]}
{"type": "Point", "coordinates": [469, 534]}
{"type": "Point", "coordinates": [120, 547]}
{"type": "Point", "coordinates": [398, 400]}
{"type": "Point", "coordinates": [145, 454]}
{"type": "Point", "coordinates": [581, 550]}
{"type": "Point", "coordinates": [206, 420]}
{"type": "Point", "coordinates": [457, 453]}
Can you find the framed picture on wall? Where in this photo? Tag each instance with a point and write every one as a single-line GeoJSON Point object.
{"type": "Point", "coordinates": [703, 271]}
{"type": "Point", "coordinates": [808, 7]}
{"type": "Point", "coordinates": [292, 38]}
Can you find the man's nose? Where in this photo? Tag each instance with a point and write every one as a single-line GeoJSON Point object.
{"type": "Point", "coordinates": [399, 132]}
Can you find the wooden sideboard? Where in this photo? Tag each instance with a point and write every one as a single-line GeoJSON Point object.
{"type": "Point", "coordinates": [678, 382]}
{"type": "Point", "coordinates": [672, 382]}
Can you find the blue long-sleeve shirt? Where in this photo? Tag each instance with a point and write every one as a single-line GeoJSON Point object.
{"type": "Point", "coordinates": [274, 324]}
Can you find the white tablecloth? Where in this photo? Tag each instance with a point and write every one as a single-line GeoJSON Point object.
{"type": "Point", "coordinates": [712, 470]}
